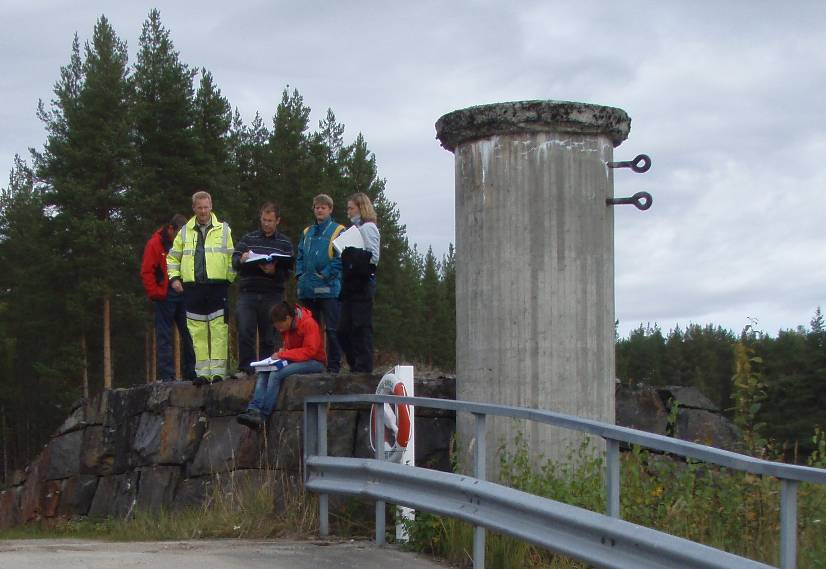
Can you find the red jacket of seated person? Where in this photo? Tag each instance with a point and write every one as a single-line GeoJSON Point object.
{"type": "Point", "coordinates": [302, 342]}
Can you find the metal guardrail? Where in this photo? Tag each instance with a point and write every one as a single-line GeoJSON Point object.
{"type": "Point", "coordinates": [559, 527]}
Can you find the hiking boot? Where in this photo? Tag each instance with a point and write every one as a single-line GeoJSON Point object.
{"type": "Point", "coordinates": [251, 418]}
{"type": "Point", "coordinates": [199, 381]}
{"type": "Point", "coordinates": [217, 379]}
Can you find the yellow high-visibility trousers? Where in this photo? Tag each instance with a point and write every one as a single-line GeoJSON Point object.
{"type": "Point", "coordinates": [206, 319]}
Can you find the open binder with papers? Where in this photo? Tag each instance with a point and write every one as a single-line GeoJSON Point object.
{"type": "Point", "coordinates": [254, 257]}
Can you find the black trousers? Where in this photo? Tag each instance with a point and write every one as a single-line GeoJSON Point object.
{"type": "Point", "coordinates": [253, 315]}
{"type": "Point", "coordinates": [355, 332]}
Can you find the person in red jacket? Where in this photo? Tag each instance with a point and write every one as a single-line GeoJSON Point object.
{"type": "Point", "coordinates": [303, 349]}
{"type": "Point", "coordinates": [169, 304]}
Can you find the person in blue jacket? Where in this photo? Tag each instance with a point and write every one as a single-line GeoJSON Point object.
{"type": "Point", "coordinates": [318, 270]}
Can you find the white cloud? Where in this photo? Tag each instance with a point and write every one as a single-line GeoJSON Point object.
{"type": "Point", "coordinates": [727, 98]}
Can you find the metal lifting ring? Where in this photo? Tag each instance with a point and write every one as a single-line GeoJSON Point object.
{"type": "Point", "coordinates": [639, 164]}
{"type": "Point", "coordinates": [641, 200]}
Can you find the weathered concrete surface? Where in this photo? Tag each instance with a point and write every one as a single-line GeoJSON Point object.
{"type": "Point", "coordinates": [534, 263]}
{"type": "Point", "coordinates": [483, 121]}
{"type": "Point", "coordinates": [214, 554]}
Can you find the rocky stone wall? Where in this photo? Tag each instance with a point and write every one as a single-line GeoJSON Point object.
{"type": "Point", "coordinates": [167, 445]}
{"type": "Point", "coordinates": [693, 416]}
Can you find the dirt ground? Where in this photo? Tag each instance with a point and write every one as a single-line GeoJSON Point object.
{"type": "Point", "coordinates": [206, 554]}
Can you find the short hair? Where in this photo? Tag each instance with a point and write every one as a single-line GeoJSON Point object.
{"type": "Point", "coordinates": [177, 221]}
{"type": "Point", "coordinates": [323, 199]}
{"type": "Point", "coordinates": [281, 312]}
{"type": "Point", "coordinates": [269, 207]}
{"type": "Point", "coordinates": [201, 195]}
{"type": "Point", "coordinates": [364, 205]}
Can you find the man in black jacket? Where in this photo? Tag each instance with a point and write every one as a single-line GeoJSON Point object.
{"type": "Point", "coordinates": [261, 285]}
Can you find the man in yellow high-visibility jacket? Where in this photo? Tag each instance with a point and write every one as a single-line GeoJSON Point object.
{"type": "Point", "coordinates": [200, 266]}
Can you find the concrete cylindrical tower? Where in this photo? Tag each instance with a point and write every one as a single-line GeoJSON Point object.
{"type": "Point", "coordinates": [535, 263]}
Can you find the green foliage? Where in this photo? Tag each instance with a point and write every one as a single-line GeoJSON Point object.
{"type": "Point", "coordinates": [725, 509]}
{"type": "Point", "coordinates": [699, 355]}
{"type": "Point", "coordinates": [786, 408]}
{"type": "Point", "coordinates": [749, 394]}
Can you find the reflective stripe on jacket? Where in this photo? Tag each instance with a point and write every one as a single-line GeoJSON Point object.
{"type": "Point", "coordinates": [317, 264]}
{"type": "Point", "coordinates": [218, 248]}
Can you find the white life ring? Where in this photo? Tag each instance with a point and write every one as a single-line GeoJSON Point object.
{"type": "Point", "coordinates": [397, 427]}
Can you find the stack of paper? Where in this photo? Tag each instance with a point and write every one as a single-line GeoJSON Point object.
{"type": "Point", "coordinates": [269, 364]}
{"type": "Point", "coordinates": [350, 238]}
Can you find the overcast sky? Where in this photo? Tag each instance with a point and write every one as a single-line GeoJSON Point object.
{"type": "Point", "coordinates": [728, 98]}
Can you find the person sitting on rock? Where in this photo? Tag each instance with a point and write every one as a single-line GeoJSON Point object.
{"type": "Point", "coordinates": [303, 349]}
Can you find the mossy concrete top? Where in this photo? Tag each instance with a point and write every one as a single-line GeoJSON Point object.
{"type": "Point", "coordinates": [483, 121]}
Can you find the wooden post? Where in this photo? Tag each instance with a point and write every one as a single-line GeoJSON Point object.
{"type": "Point", "coordinates": [107, 345]}
{"type": "Point", "coordinates": [177, 353]}
{"type": "Point", "coordinates": [154, 356]}
{"type": "Point", "coordinates": [147, 353]}
{"type": "Point", "coordinates": [5, 446]}
{"type": "Point", "coordinates": [85, 365]}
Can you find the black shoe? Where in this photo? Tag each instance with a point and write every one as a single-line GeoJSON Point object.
{"type": "Point", "coordinates": [217, 379]}
{"type": "Point", "coordinates": [332, 370]}
{"type": "Point", "coordinates": [199, 381]}
{"type": "Point", "coordinates": [251, 418]}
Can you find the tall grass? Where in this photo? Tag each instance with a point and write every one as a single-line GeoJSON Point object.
{"type": "Point", "coordinates": [273, 506]}
{"type": "Point", "coordinates": [726, 509]}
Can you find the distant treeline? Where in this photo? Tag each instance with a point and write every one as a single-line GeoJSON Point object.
{"type": "Point", "coordinates": [790, 371]}
{"type": "Point", "coordinates": [126, 146]}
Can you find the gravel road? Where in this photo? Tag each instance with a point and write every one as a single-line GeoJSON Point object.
{"type": "Point", "coordinates": [206, 554]}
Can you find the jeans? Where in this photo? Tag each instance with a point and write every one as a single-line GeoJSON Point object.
{"type": "Point", "coordinates": [168, 312]}
{"type": "Point", "coordinates": [326, 312]}
{"type": "Point", "coordinates": [253, 315]}
{"type": "Point", "coordinates": [268, 384]}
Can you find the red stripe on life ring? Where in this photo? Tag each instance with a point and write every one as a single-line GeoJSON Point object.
{"type": "Point", "coordinates": [402, 416]}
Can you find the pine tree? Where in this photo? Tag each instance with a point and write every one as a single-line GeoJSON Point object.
{"type": "Point", "coordinates": [432, 311]}
{"type": "Point", "coordinates": [215, 169]}
{"type": "Point", "coordinates": [36, 360]}
{"type": "Point", "coordinates": [162, 114]}
{"type": "Point", "coordinates": [449, 318]}
{"type": "Point", "coordinates": [288, 160]}
{"type": "Point", "coordinates": [84, 168]}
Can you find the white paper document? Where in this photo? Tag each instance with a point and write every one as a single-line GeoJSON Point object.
{"type": "Point", "coordinates": [349, 238]}
{"type": "Point", "coordinates": [269, 364]}
{"type": "Point", "coordinates": [254, 257]}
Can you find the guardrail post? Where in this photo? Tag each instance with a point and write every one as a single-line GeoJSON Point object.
{"type": "Point", "coordinates": [323, 499]}
{"type": "Point", "coordinates": [379, 438]}
{"type": "Point", "coordinates": [788, 523]}
{"type": "Point", "coordinates": [612, 477]}
{"type": "Point", "coordinates": [479, 472]}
